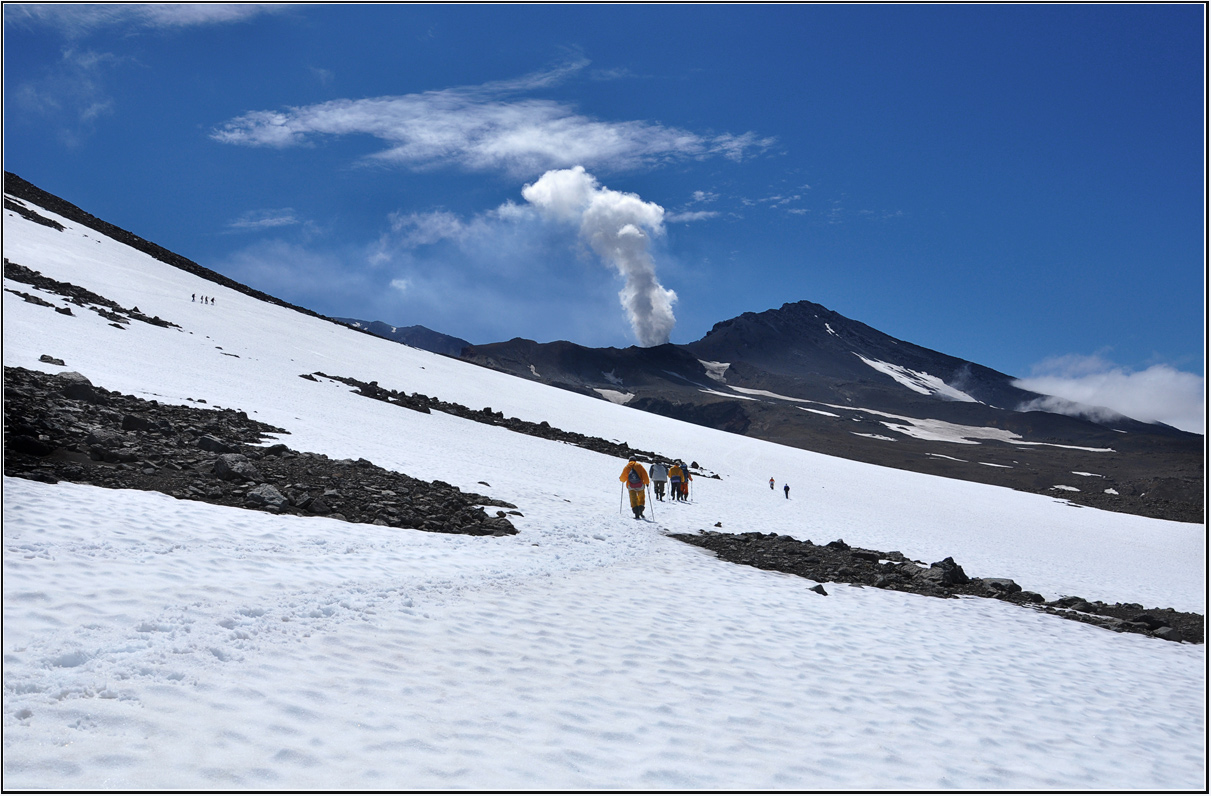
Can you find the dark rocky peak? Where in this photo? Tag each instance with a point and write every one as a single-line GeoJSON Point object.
{"type": "Point", "coordinates": [416, 336]}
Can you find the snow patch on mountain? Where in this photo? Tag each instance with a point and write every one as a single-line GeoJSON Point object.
{"type": "Point", "coordinates": [614, 396]}
{"type": "Point", "coordinates": [715, 370]}
{"type": "Point", "coordinates": [768, 394]}
{"type": "Point", "coordinates": [728, 395]}
{"type": "Point", "coordinates": [819, 411]}
{"type": "Point", "coordinates": [917, 381]}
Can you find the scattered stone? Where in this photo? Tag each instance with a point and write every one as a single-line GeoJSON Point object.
{"type": "Point", "coordinates": [837, 562]}
{"type": "Point", "coordinates": [48, 359]}
{"type": "Point", "coordinates": [818, 589]}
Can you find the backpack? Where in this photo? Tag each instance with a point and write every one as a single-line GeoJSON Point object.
{"type": "Point", "coordinates": [634, 481]}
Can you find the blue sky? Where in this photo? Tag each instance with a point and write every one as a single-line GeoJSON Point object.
{"type": "Point", "coordinates": [1021, 186]}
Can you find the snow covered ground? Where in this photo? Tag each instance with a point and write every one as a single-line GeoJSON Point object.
{"type": "Point", "coordinates": [154, 643]}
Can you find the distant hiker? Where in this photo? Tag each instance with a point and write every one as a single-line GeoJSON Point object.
{"type": "Point", "coordinates": [193, 296]}
{"type": "Point", "coordinates": [786, 489]}
{"type": "Point", "coordinates": [635, 478]}
{"type": "Point", "coordinates": [685, 482]}
{"type": "Point", "coordinates": [771, 483]}
{"type": "Point", "coordinates": [660, 476]}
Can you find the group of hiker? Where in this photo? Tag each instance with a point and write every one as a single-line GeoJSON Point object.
{"type": "Point", "coordinates": [636, 479]}
{"type": "Point", "coordinates": [205, 299]}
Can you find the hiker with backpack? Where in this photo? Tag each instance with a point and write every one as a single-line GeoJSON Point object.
{"type": "Point", "coordinates": [676, 475]}
{"type": "Point", "coordinates": [635, 480]}
{"type": "Point", "coordinates": [685, 482]}
{"type": "Point", "coordinates": [660, 476]}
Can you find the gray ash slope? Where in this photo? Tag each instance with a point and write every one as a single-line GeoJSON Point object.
{"type": "Point", "coordinates": [847, 402]}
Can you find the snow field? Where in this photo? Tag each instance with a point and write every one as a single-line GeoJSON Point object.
{"type": "Point", "coordinates": [221, 648]}
{"type": "Point", "coordinates": [155, 643]}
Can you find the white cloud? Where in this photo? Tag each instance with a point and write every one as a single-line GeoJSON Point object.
{"type": "Point", "coordinates": [265, 219]}
{"type": "Point", "coordinates": [1091, 385]}
{"type": "Point", "coordinates": [692, 215]}
{"type": "Point", "coordinates": [78, 19]}
{"type": "Point", "coordinates": [422, 229]}
{"type": "Point", "coordinates": [486, 128]}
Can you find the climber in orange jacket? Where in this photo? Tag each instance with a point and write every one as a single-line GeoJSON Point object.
{"type": "Point", "coordinates": [636, 480]}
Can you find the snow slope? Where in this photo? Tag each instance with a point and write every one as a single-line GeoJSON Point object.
{"type": "Point", "coordinates": [155, 643]}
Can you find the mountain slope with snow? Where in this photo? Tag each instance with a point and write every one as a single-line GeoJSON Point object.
{"type": "Point", "coordinates": [806, 376]}
{"type": "Point", "coordinates": [158, 643]}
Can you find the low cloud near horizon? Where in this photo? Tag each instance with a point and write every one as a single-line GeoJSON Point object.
{"type": "Point", "coordinates": [1159, 393]}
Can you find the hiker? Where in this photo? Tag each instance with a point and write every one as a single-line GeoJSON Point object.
{"type": "Point", "coordinates": [786, 489]}
{"type": "Point", "coordinates": [660, 476]}
{"type": "Point", "coordinates": [771, 483]}
{"type": "Point", "coordinates": [636, 480]}
{"type": "Point", "coordinates": [193, 296]}
{"type": "Point", "coordinates": [676, 474]}
{"type": "Point", "coordinates": [685, 482]}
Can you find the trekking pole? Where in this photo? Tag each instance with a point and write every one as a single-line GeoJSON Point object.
{"type": "Point", "coordinates": [650, 502]}
{"type": "Point", "coordinates": [621, 492]}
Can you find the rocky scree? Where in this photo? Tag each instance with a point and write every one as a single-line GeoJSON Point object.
{"type": "Point", "coordinates": [544, 430]}
{"type": "Point", "coordinates": [62, 427]}
{"type": "Point", "coordinates": [837, 562]}
{"type": "Point", "coordinates": [118, 315]}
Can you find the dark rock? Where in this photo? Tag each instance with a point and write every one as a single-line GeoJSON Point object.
{"type": "Point", "coordinates": [29, 445]}
{"type": "Point", "coordinates": [215, 445]}
{"type": "Point", "coordinates": [265, 495]}
{"type": "Point", "coordinates": [1001, 585]}
{"type": "Point", "coordinates": [77, 387]}
{"type": "Point", "coordinates": [136, 423]}
{"type": "Point", "coordinates": [818, 589]}
{"type": "Point", "coordinates": [235, 467]}
{"type": "Point", "coordinates": [47, 358]}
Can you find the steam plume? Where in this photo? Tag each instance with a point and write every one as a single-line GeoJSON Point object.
{"type": "Point", "coordinates": [617, 226]}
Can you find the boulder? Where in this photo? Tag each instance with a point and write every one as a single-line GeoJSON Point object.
{"type": "Point", "coordinates": [265, 495]}
{"type": "Point", "coordinates": [136, 423]}
{"type": "Point", "coordinates": [235, 467]}
{"type": "Point", "coordinates": [215, 445]}
{"type": "Point", "coordinates": [1168, 634]}
{"type": "Point", "coordinates": [951, 573]}
{"type": "Point", "coordinates": [77, 387]}
{"type": "Point", "coordinates": [1002, 585]}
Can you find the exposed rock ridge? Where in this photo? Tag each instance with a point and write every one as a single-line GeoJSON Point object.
{"type": "Point", "coordinates": [62, 427]}
{"type": "Point", "coordinates": [837, 562]}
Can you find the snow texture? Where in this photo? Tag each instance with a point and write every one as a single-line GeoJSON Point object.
{"type": "Point", "coordinates": [153, 643]}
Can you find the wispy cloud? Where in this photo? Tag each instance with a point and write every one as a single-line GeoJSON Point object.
{"type": "Point", "coordinates": [491, 127]}
{"type": "Point", "coordinates": [690, 215]}
{"type": "Point", "coordinates": [71, 93]}
{"type": "Point", "coordinates": [255, 220]}
{"type": "Point", "coordinates": [79, 19]}
{"type": "Point", "coordinates": [1093, 386]}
